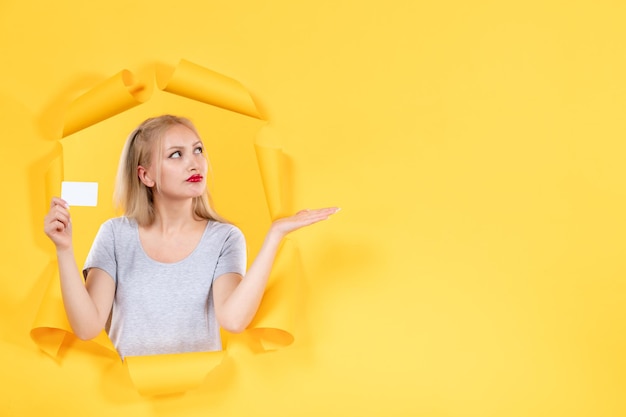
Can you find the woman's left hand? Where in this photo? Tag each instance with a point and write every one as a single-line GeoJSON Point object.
{"type": "Point", "coordinates": [302, 218]}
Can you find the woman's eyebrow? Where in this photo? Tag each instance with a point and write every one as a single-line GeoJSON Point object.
{"type": "Point", "coordinates": [181, 146]}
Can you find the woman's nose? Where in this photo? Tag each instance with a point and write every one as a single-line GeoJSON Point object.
{"type": "Point", "coordinates": [192, 165]}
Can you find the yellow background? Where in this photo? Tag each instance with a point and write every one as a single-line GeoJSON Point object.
{"type": "Point", "coordinates": [476, 149]}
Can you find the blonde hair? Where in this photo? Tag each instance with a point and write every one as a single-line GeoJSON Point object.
{"type": "Point", "coordinates": [132, 196]}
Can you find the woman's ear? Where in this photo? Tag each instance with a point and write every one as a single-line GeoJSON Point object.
{"type": "Point", "coordinates": [144, 177]}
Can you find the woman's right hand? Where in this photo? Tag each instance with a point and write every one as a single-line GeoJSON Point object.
{"type": "Point", "coordinates": [57, 224]}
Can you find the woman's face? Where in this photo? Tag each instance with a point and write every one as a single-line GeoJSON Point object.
{"type": "Point", "coordinates": [183, 165]}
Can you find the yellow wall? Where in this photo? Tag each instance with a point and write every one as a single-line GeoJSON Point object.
{"type": "Point", "coordinates": [476, 148]}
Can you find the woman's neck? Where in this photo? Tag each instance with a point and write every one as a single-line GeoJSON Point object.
{"type": "Point", "coordinates": [174, 217]}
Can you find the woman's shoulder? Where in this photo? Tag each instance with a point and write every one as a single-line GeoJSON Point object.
{"type": "Point", "coordinates": [224, 229]}
{"type": "Point", "coordinates": [117, 225]}
{"type": "Point", "coordinates": [120, 221]}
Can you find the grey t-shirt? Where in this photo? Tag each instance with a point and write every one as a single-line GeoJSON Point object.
{"type": "Point", "coordinates": [164, 307]}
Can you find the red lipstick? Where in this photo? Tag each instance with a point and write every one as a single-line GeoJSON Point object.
{"type": "Point", "coordinates": [195, 178]}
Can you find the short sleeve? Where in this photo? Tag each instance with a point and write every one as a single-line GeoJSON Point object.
{"type": "Point", "coordinates": [232, 257]}
{"type": "Point", "coordinates": [102, 252]}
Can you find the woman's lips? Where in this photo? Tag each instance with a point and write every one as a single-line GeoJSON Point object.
{"type": "Point", "coordinates": [195, 178]}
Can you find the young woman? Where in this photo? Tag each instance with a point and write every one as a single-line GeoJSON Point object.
{"type": "Point", "coordinates": [164, 277]}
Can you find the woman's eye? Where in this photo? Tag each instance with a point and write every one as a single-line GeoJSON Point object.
{"type": "Point", "coordinates": [176, 154]}
{"type": "Point", "coordinates": [199, 149]}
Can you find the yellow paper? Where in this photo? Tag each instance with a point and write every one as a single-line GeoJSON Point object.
{"type": "Point", "coordinates": [273, 165]}
{"type": "Point", "coordinates": [54, 176]}
{"type": "Point", "coordinates": [51, 328]}
{"type": "Point", "coordinates": [476, 149]}
{"type": "Point", "coordinates": [111, 97]}
{"type": "Point", "coordinates": [275, 321]}
{"type": "Point", "coordinates": [51, 325]}
{"type": "Point", "coordinates": [171, 374]}
{"type": "Point", "coordinates": [202, 84]}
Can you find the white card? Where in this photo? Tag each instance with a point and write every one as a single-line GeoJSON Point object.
{"type": "Point", "coordinates": [80, 193]}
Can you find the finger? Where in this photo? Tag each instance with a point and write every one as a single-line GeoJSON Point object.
{"type": "Point", "coordinates": [64, 220]}
{"type": "Point", "coordinates": [56, 226]}
{"type": "Point", "coordinates": [315, 218]}
{"type": "Point", "coordinates": [324, 213]}
{"type": "Point", "coordinates": [58, 214]}
{"type": "Point", "coordinates": [326, 210]}
{"type": "Point", "coordinates": [59, 226]}
{"type": "Point", "coordinates": [56, 201]}
{"type": "Point", "coordinates": [61, 208]}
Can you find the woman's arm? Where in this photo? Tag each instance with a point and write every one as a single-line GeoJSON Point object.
{"type": "Point", "coordinates": [237, 300]}
{"type": "Point", "coordinates": [87, 305]}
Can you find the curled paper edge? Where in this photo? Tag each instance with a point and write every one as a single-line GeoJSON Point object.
{"type": "Point", "coordinates": [273, 168]}
{"type": "Point", "coordinates": [275, 321]}
{"type": "Point", "coordinates": [113, 96]}
{"type": "Point", "coordinates": [202, 84]}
